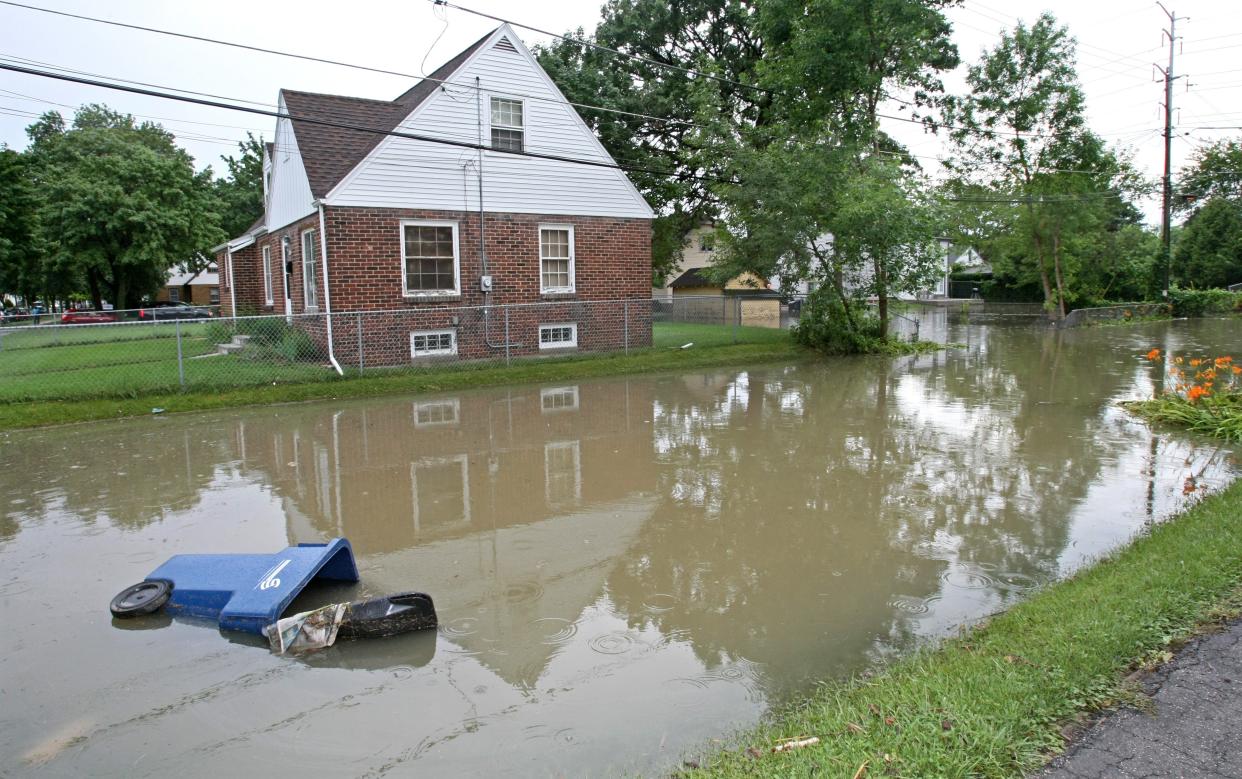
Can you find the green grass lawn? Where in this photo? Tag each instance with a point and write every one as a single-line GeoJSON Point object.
{"type": "Point", "coordinates": [992, 702]}
{"type": "Point", "coordinates": [676, 334]}
{"type": "Point", "coordinates": [51, 384]}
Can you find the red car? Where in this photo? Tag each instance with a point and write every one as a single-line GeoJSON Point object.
{"type": "Point", "coordinates": [87, 317]}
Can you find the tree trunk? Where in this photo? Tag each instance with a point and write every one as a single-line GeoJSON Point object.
{"type": "Point", "coordinates": [92, 284]}
{"type": "Point", "coordinates": [1043, 270]}
{"type": "Point", "coordinates": [881, 293]}
{"type": "Point", "coordinates": [1056, 267]}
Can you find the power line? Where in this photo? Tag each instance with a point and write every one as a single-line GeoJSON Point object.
{"type": "Point", "coordinates": [348, 126]}
{"type": "Point", "coordinates": [618, 52]}
{"type": "Point", "coordinates": [323, 61]}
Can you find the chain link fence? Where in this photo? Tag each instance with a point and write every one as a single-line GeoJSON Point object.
{"type": "Point", "coordinates": [130, 354]}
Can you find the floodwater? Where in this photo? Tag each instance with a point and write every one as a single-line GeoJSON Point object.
{"type": "Point", "coordinates": [624, 569]}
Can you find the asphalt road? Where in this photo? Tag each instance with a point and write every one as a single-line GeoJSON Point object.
{"type": "Point", "coordinates": [1195, 731]}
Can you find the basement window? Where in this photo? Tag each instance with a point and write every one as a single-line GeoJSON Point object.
{"type": "Point", "coordinates": [427, 343]}
{"type": "Point", "coordinates": [558, 336]}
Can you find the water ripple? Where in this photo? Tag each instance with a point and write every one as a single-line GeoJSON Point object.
{"type": "Point", "coordinates": [968, 580]}
{"type": "Point", "coordinates": [615, 643]}
{"type": "Point", "coordinates": [556, 630]}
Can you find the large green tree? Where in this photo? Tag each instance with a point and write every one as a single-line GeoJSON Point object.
{"type": "Point", "coordinates": [659, 112]}
{"type": "Point", "coordinates": [123, 204]}
{"type": "Point", "coordinates": [241, 193]}
{"type": "Point", "coordinates": [1209, 248]}
{"type": "Point", "coordinates": [1021, 136]}
{"type": "Point", "coordinates": [19, 204]}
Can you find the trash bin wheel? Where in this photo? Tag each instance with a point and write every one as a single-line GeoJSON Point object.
{"type": "Point", "coordinates": [141, 598]}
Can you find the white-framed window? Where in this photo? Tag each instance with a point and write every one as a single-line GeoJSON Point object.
{"type": "Point", "coordinates": [430, 259]}
{"type": "Point", "coordinates": [174, 295]}
{"type": "Point", "coordinates": [427, 343]}
{"type": "Point", "coordinates": [563, 336]}
{"type": "Point", "coordinates": [562, 472]}
{"type": "Point", "coordinates": [310, 288]}
{"type": "Point", "coordinates": [555, 399]}
{"type": "Point", "coordinates": [267, 275]}
{"type": "Point", "coordinates": [437, 413]}
{"type": "Point", "coordinates": [508, 124]}
{"type": "Point", "coordinates": [556, 258]}
{"type": "Point", "coordinates": [213, 294]}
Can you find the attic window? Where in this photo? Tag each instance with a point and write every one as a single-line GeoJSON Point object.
{"type": "Point", "coordinates": [504, 44]}
{"type": "Point", "coordinates": [508, 130]}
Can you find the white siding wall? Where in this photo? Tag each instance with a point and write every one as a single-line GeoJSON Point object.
{"type": "Point", "coordinates": [403, 173]}
{"type": "Point", "coordinates": [291, 197]}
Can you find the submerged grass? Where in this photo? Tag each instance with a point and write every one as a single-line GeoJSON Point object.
{"type": "Point", "coordinates": [1220, 418]}
{"type": "Point", "coordinates": [992, 702]}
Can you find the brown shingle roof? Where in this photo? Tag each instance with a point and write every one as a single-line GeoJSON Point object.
{"type": "Point", "coordinates": [330, 153]}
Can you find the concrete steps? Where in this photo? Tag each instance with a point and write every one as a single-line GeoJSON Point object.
{"type": "Point", "coordinates": [233, 347]}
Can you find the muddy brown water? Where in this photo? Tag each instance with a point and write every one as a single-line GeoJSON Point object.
{"type": "Point", "coordinates": [625, 569]}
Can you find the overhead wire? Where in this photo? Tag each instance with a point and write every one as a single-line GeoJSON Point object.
{"type": "Point", "coordinates": [346, 125]}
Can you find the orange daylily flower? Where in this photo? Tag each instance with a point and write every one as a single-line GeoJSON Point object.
{"type": "Point", "coordinates": [1196, 393]}
{"type": "Point", "coordinates": [1154, 354]}
{"type": "Point", "coordinates": [1236, 370]}
{"type": "Point", "coordinates": [1221, 362]}
{"type": "Point", "coordinates": [1195, 362]}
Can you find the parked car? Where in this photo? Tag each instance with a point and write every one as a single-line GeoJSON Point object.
{"type": "Point", "coordinates": [87, 317]}
{"type": "Point", "coordinates": [15, 315]}
{"type": "Point", "coordinates": [167, 310]}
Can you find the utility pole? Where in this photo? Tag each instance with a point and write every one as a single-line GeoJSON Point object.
{"type": "Point", "coordinates": [1166, 227]}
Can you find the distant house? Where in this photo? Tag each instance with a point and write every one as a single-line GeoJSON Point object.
{"type": "Point", "coordinates": [698, 298]}
{"type": "Point", "coordinates": [357, 220]}
{"type": "Point", "coordinates": [199, 289]}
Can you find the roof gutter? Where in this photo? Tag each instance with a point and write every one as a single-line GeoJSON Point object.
{"type": "Point", "coordinates": [327, 296]}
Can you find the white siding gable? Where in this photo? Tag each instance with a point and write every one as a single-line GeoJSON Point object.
{"type": "Point", "coordinates": [290, 198]}
{"type": "Point", "coordinates": [405, 173]}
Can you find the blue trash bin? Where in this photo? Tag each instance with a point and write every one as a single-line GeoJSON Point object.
{"type": "Point", "coordinates": [248, 592]}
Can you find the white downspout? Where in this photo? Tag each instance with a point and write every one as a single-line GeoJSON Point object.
{"type": "Point", "coordinates": [327, 296]}
{"type": "Point", "coordinates": [232, 285]}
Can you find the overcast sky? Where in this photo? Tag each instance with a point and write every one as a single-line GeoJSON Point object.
{"type": "Point", "coordinates": [1119, 40]}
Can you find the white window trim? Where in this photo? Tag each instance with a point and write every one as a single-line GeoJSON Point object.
{"type": "Point", "coordinates": [266, 255]}
{"type": "Point", "coordinates": [419, 294]}
{"type": "Point", "coordinates": [434, 353]}
{"type": "Point", "coordinates": [573, 344]}
{"type": "Point", "coordinates": [572, 276]}
{"type": "Point", "coordinates": [558, 392]}
{"type": "Point", "coordinates": [525, 128]}
{"type": "Point", "coordinates": [309, 290]}
{"type": "Point", "coordinates": [174, 294]}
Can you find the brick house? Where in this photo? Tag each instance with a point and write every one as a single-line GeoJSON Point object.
{"type": "Point", "coordinates": [443, 238]}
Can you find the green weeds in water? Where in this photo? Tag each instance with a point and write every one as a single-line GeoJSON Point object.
{"type": "Point", "coordinates": [992, 702]}
{"type": "Point", "coordinates": [1204, 395]}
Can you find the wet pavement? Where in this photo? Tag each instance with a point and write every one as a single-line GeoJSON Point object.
{"type": "Point", "coordinates": [624, 569]}
{"type": "Point", "coordinates": [1194, 728]}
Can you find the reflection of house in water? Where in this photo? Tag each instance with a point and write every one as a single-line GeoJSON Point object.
{"type": "Point", "coordinates": [507, 509]}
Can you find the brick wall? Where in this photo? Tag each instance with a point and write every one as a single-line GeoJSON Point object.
{"type": "Point", "coordinates": [612, 261]}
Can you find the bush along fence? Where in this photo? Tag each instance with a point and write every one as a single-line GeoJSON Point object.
{"type": "Point", "coordinates": [130, 358]}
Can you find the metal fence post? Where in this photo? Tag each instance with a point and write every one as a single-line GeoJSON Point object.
{"type": "Point", "coordinates": [506, 335]}
{"type": "Point", "coordinates": [737, 317]}
{"type": "Point", "coordinates": [180, 358]}
{"type": "Point", "coordinates": [360, 360]}
{"type": "Point", "coordinates": [627, 325]}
